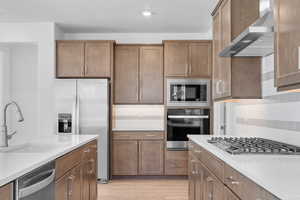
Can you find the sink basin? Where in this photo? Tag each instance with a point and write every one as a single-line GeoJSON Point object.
{"type": "Point", "coordinates": [29, 148]}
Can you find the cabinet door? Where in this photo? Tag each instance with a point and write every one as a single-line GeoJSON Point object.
{"type": "Point", "coordinates": [69, 59]}
{"type": "Point", "coordinates": [228, 195]}
{"type": "Point", "coordinates": [126, 75]}
{"type": "Point", "coordinates": [151, 75]}
{"type": "Point", "coordinates": [216, 58]}
{"type": "Point", "coordinates": [61, 188]}
{"type": "Point", "coordinates": [213, 188]}
{"type": "Point", "coordinates": [151, 157]}
{"type": "Point", "coordinates": [6, 192]}
{"type": "Point", "coordinates": [98, 59]}
{"type": "Point", "coordinates": [191, 174]}
{"type": "Point", "coordinates": [200, 60]}
{"type": "Point", "coordinates": [199, 181]}
{"type": "Point", "coordinates": [125, 157]}
{"type": "Point", "coordinates": [288, 42]}
{"type": "Point", "coordinates": [176, 59]}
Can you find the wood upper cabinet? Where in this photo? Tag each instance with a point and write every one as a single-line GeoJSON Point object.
{"type": "Point", "coordinates": [125, 157]}
{"type": "Point", "coordinates": [126, 75]}
{"type": "Point", "coordinates": [287, 50]}
{"type": "Point", "coordinates": [176, 58]}
{"type": "Point", "coordinates": [234, 78]}
{"type": "Point", "coordinates": [69, 59]}
{"type": "Point", "coordinates": [151, 74]}
{"type": "Point", "coordinates": [151, 157]}
{"type": "Point", "coordinates": [138, 75]}
{"type": "Point", "coordinates": [79, 59]}
{"type": "Point", "coordinates": [6, 192]}
{"type": "Point", "coordinates": [188, 58]}
{"type": "Point", "coordinates": [98, 59]}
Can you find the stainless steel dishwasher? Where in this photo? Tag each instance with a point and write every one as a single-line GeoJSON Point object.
{"type": "Point", "coordinates": [38, 184]}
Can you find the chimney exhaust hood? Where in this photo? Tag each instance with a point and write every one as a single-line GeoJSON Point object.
{"type": "Point", "coordinates": [257, 39]}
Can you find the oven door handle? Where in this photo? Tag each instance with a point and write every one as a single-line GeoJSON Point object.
{"type": "Point", "coordinates": [24, 192]}
{"type": "Point", "coordinates": [188, 116]}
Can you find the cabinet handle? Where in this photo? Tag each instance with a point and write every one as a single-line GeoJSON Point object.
{"type": "Point", "coordinates": [70, 185]}
{"type": "Point", "coordinates": [150, 135]}
{"type": "Point", "coordinates": [232, 181]}
{"type": "Point", "coordinates": [198, 151]}
{"type": "Point", "coordinates": [92, 169]}
{"type": "Point", "coordinates": [87, 150]}
{"type": "Point", "coordinates": [209, 179]}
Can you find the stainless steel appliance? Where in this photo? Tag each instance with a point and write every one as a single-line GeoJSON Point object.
{"type": "Point", "coordinates": [37, 185]}
{"type": "Point", "coordinates": [254, 145]}
{"type": "Point", "coordinates": [183, 122]}
{"type": "Point", "coordinates": [86, 103]}
{"type": "Point", "coordinates": [188, 92]}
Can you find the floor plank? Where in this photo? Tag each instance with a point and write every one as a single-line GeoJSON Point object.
{"type": "Point", "coordinates": [144, 189]}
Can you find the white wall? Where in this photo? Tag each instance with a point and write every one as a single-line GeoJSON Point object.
{"type": "Point", "coordinates": [143, 38]}
{"type": "Point", "coordinates": [42, 34]}
{"type": "Point", "coordinates": [277, 114]}
{"type": "Point", "coordinates": [4, 78]}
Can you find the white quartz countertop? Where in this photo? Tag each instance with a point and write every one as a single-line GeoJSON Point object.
{"type": "Point", "coordinates": [278, 174]}
{"type": "Point", "coordinates": [14, 164]}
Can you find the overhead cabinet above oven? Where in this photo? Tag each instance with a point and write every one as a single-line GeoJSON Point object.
{"type": "Point", "coordinates": [234, 78]}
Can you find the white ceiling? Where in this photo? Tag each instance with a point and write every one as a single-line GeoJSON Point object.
{"type": "Point", "coordinates": [113, 16]}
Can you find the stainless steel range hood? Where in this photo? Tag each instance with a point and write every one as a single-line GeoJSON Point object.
{"type": "Point", "coordinates": [257, 39]}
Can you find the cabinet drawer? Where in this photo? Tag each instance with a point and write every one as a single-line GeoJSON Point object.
{"type": "Point", "coordinates": [67, 162]}
{"type": "Point", "coordinates": [176, 163]}
{"type": "Point", "coordinates": [215, 165]}
{"type": "Point", "coordinates": [146, 135]}
{"type": "Point", "coordinates": [242, 186]}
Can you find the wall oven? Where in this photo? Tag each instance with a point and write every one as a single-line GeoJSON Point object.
{"type": "Point", "coordinates": [183, 122]}
{"type": "Point", "coordinates": [188, 92]}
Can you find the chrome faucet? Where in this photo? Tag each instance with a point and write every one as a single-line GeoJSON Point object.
{"type": "Point", "coordinates": [4, 136]}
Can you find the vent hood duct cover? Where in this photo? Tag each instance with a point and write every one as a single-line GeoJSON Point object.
{"type": "Point", "coordinates": [256, 40]}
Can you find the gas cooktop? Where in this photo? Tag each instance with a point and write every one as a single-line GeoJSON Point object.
{"type": "Point", "coordinates": [253, 145]}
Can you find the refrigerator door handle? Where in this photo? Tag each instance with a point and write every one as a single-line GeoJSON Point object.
{"type": "Point", "coordinates": [74, 115]}
{"type": "Point", "coordinates": [77, 113]}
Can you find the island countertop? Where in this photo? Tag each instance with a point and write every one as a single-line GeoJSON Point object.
{"type": "Point", "coordinates": [29, 156]}
{"type": "Point", "coordinates": [278, 174]}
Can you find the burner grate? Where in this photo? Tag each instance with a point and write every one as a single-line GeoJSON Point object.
{"type": "Point", "coordinates": [253, 145]}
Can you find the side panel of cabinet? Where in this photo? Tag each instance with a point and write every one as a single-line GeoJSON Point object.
{"type": "Point", "coordinates": [69, 59]}
{"type": "Point", "coordinates": [288, 42]}
{"type": "Point", "coordinates": [126, 75]}
{"type": "Point", "coordinates": [176, 59]}
{"type": "Point", "coordinates": [151, 75]}
{"type": "Point", "coordinates": [6, 192]}
{"type": "Point", "coordinates": [125, 157]}
{"type": "Point", "coordinates": [98, 59]}
{"type": "Point", "coordinates": [200, 60]}
{"type": "Point", "coordinates": [151, 157]}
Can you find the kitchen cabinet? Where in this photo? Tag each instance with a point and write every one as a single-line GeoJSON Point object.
{"type": "Point", "coordinates": [69, 186]}
{"type": "Point", "coordinates": [212, 187]}
{"type": "Point", "coordinates": [151, 160]}
{"type": "Point", "coordinates": [176, 163]}
{"type": "Point", "coordinates": [138, 153]}
{"type": "Point", "coordinates": [138, 75]}
{"type": "Point", "coordinates": [287, 44]}
{"type": "Point", "coordinates": [196, 174]}
{"type": "Point", "coordinates": [6, 192]}
{"type": "Point", "coordinates": [233, 78]}
{"type": "Point", "coordinates": [188, 59]}
{"type": "Point", "coordinates": [228, 195]}
{"type": "Point", "coordinates": [76, 174]}
{"type": "Point", "coordinates": [84, 59]}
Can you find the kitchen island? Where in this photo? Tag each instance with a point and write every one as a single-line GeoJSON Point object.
{"type": "Point", "coordinates": [68, 151]}
{"type": "Point", "coordinates": [244, 176]}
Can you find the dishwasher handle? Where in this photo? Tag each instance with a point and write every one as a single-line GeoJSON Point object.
{"type": "Point", "coordinates": [37, 186]}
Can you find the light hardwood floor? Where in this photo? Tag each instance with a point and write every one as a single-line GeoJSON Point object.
{"type": "Point", "coordinates": [144, 189]}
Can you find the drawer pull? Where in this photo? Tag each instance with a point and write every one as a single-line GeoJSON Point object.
{"type": "Point", "coordinates": [198, 151]}
{"type": "Point", "coordinates": [87, 151]}
{"type": "Point", "coordinates": [209, 179]}
{"type": "Point", "coordinates": [150, 135]}
{"type": "Point", "coordinates": [232, 181]}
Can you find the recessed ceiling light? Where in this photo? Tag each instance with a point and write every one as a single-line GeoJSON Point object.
{"type": "Point", "coordinates": [147, 13]}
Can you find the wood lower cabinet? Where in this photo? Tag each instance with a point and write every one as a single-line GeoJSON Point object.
{"type": "Point", "coordinates": [287, 46]}
{"type": "Point", "coordinates": [212, 187]}
{"type": "Point", "coordinates": [228, 195]}
{"type": "Point", "coordinates": [176, 163]}
{"type": "Point", "coordinates": [6, 192]}
{"type": "Point", "coordinates": [188, 58]}
{"type": "Point", "coordinates": [138, 153]}
{"type": "Point", "coordinates": [77, 180]}
{"type": "Point", "coordinates": [69, 186]}
{"type": "Point", "coordinates": [196, 174]}
{"type": "Point", "coordinates": [138, 74]}
{"type": "Point", "coordinates": [80, 59]}
{"type": "Point", "coordinates": [151, 157]}
{"type": "Point", "coordinates": [125, 157]}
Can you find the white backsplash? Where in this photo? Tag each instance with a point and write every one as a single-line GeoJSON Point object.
{"type": "Point", "coordinates": [138, 117]}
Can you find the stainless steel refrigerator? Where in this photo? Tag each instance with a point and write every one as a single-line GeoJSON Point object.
{"type": "Point", "coordinates": [86, 102]}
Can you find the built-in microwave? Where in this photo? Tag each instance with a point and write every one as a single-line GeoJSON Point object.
{"type": "Point", "coordinates": [188, 92]}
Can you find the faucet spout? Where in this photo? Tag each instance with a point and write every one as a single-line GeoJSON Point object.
{"type": "Point", "coordinates": [4, 136]}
